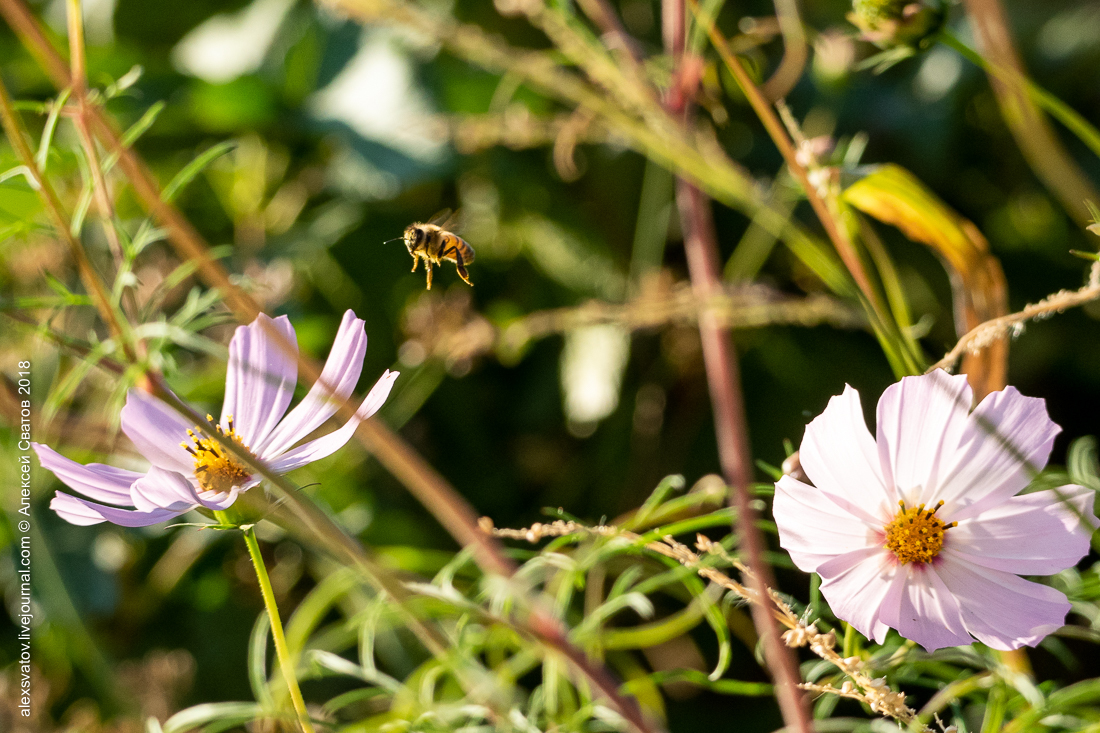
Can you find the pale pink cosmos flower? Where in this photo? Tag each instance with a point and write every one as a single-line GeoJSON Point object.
{"type": "Point", "coordinates": [922, 530]}
{"type": "Point", "coordinates": [190, 469]}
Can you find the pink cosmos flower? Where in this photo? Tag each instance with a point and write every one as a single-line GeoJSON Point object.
{"type": "Point", "coordinates": [922, 530]}
{"type": "Point", "coordinates": [190, 469]}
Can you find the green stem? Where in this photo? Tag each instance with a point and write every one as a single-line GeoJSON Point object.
{"type": "Point", "coordinates": [286, 664]}
{"type": "Point", "coordinates": [1054, 106]}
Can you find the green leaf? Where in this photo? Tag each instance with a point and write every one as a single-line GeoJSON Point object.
{"type": "Point", "coordinates": [1082, 464]}
{"type": "Point", "coordinates": [46, 302]}
{"type": "Point", "coordinates": [257, 660]}
{"type": "Point", "coordinates": [722, 687]}
{"type": "Point", "coordinates": [124, 82]}
{"type": "Point", "coordinates": [51, 126]}
{"type": "Point", "coordinates": [218, 716]}
{"type": "Point", "coordinates": [140, 127]}
{"type": "Point", "coordinates": [195, 167]}
{"type": "Point", "coordinates": [19, 170]}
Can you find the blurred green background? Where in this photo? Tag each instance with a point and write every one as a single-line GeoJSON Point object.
{"type": "Point", "coordinates": [343, 135]}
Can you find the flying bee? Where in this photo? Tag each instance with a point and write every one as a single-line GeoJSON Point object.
{"type": "Point", "coordinates": [434, 243]}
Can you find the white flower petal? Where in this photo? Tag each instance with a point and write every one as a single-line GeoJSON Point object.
{"type": "Point", "coordinates": [160, 489]}
{"type": "Point", "coordinates": [219, 500]}
{"type": "Point", "coordinates": [1035, 534]}
{"type": "Point", "coordinates": [157, 430]}
{"type": "Point", "coordinates": [326, 445]}
{"type": "Point", "coordinates": [814, 529]}
{"type": "Point", "coordinates": [1007, 441]}
{"type": "Point", "coordinates": [260, 379]}
{"type": "Point", "coordinates": [338, 379]}
{"type": "Point", "coordinates": [920, 422]}
{"type": "Point", "coordinates": [926, 611]}
{"type": "Point", "coordinates": [1000, 609]}
{"type": "Point", "coordinates": [95, 480]}
{"type": "Point", "coordinates": [75, 510]}
{"type": "Point", "coordinates": [839, 455]}
{"type": "Point", "coordinates": [856, 585]}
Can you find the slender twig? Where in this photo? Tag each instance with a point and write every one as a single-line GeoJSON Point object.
{"type": "Point", "coordinates": [603, 15]}
{"type": "Point", "coordinates": [740, 307]}
{"type": "Point", "coordinates": [99, 182]}
{"type": "Point", "coordinates": [14, 130]}
{"type": "Point", "coordinates": [987, 333]}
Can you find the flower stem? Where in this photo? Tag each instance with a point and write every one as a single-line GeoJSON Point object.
{"type": "Point", "coordinates": [286, 664]}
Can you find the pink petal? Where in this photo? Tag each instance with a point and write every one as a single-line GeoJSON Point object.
{"type": "Point", "coordinates": [1006, 442]}
{"type": "Point", "coordinates": [1035, 534]}
{"type": "Point", "coordinates": [95, 480]}
{"type": "Point", "coordinates": [840, 457]}
{"type": "Point", "coordinates": [925, 611]}
{"type": "Point", "coordinates": [920, 421]}
{"type": "Point", "coordinates": [856, 585]}
{"type": "Point", "coordinates": [260, 380]}
{"type": "Point", "coordinates": [814, 529]}
{"type": "Point", "coordinates": [75, 510]}
{"type": "Point", "coordinates": [1002, 610]}
{"type": "Point", "coordinates": [160, 489]}
{"type": "Point", "coordinates": [157, 430]}
{"type": "Point", "coordinates": [338, 379]}
{"type": "Point", "coordinates": [326, 445]}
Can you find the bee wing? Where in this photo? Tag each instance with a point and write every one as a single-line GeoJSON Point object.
{"type": "Point", "coordinates": [440, 217]}
{"type": "Point", "coordinates": [447, 220]}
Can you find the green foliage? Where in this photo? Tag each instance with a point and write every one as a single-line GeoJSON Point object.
{"type": "Point", "coordinates": [560, 151]}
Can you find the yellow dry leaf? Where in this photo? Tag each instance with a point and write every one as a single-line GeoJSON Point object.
{"type": "Point", "coordinates": [895, 196]}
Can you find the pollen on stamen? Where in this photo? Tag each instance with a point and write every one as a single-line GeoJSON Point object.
{"type": "Point", "coordinates": [917, 534]}
{"type": "Point", "coordinates": [216, 470]}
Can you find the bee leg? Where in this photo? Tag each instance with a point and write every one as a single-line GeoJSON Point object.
{"type": "Point", "coordinates": [462, 269]}
{"type": "Point", "coordinates": [416, 261]}
{"type": "Point", "coordinates": [428, 267]}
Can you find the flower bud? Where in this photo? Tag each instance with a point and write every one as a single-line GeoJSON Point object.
{"type": "Point", "coordinates": [893, 23]}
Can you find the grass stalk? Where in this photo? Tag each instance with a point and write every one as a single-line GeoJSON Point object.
{"type": "Point", "coordinates": [1046, 155]}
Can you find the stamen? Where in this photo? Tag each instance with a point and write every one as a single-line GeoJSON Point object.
{"type": "Point", "coordinates": [216, 469]}
{"type": "Point", "coordinates": [916, 535]}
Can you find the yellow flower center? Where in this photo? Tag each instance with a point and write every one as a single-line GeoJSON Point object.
{"type": "Point", "coordinates": [916, 535]}
{"type": "Point", "coordinates": [215, 468]}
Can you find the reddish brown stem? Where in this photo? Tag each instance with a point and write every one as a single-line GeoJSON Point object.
{"type": "Point", "coordinates": [730, 424]}
{"type": "Point", "coordinates": [731, 429]}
